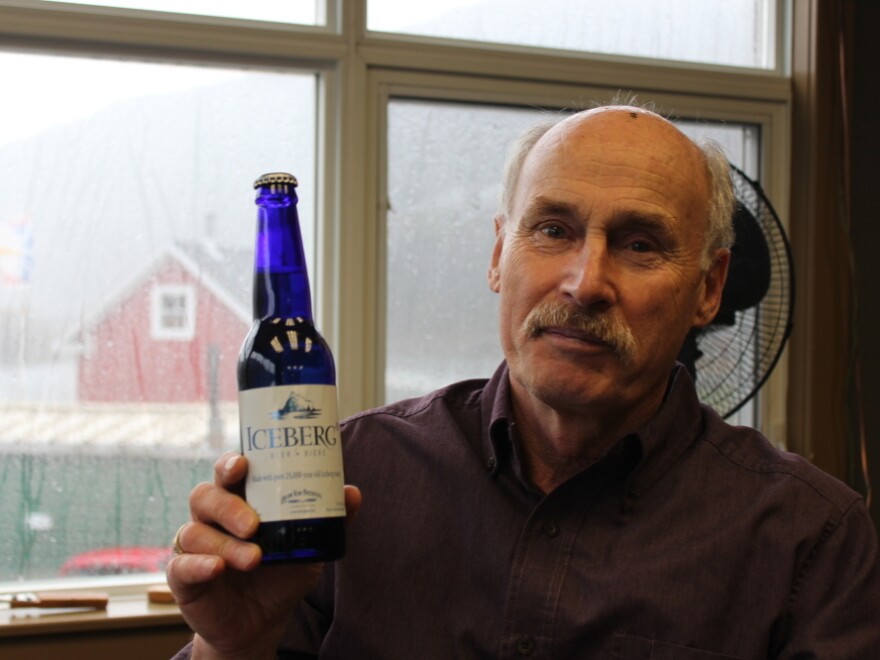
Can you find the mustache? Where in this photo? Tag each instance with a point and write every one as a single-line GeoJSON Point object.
{"type": "Point", "coordinates": [604, 327]}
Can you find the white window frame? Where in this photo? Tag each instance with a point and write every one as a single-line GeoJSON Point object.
{"type": "Point", "coordinates": [159, 329]}
{"type": "Point", "coordinates": [359, 72]}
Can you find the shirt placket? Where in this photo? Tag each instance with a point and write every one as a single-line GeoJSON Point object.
{"type": "Point", "coordinates": [539, 567]}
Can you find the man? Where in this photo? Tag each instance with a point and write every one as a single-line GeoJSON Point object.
{"type": "Point", "coordinates": [581, 503]}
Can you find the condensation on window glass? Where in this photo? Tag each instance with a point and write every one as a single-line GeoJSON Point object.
{"type": "Point", "coordinates": [127, 222]}
{"type": "Point", "coordinates": [738, 33]}
{"type": "Point", "coordinates": [444, 165]}
{"type": "Point", "coordinates": [301, 12]}
{"type": "Point", "coordinates": [444, 172]}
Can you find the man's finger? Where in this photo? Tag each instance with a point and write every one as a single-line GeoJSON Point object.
{"type": "Point", "coordinates": [353, 500]}
{"type": "Point", "coordinates": [229, 470]}
{"type": "Point", "coordinates": [188, 570]}
{"type": "Point", "coordinates": [210, 503]}
{"type": "Point", "coordinates": [197, 538]}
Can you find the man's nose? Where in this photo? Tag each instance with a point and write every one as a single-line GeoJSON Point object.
{"type": "Point", "coordinates": [588, 275]}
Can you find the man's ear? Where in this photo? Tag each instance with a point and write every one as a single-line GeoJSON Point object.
{"type": "Point", "coordinates": [494, 275]}
{"type": "Point", "coordinates": [712, 288]}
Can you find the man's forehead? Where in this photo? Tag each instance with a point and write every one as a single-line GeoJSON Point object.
{"type": "Point", "coordinates": [622, 143]}
{"type": "Point", "coordinates": [645, 159]}
{"type": "Point", "coordinates": [618, 127]}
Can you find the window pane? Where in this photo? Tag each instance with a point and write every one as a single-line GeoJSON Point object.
{"type": "Point", "coordinates": [444, 175]}
{"type": "Point", "coordinates": [734, 32]}
{"type": "Point", "coordinates": [302, 12]}
{"type": "Point", "coordinates": [126, 233]}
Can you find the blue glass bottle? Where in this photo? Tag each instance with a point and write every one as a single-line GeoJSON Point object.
{"type": "Point", "coordinates": [287, 395]}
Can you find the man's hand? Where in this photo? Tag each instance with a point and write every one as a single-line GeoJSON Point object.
{"type": "Point", "coordinates": [236, 606]}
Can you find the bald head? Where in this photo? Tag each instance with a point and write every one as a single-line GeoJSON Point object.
{"type": "Point", "coordinates": [702, 169]}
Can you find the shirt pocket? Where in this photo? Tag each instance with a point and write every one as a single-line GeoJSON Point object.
{"type": "Point", "coordinates": [630, 647]}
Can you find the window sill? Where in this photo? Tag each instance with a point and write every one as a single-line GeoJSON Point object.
{"type": "Point", "coordinates": [123, 612]}
{"type": "Point", "coordinates": [131, 627]}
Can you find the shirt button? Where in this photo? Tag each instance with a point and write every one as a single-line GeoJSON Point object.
{"type": "Point", "coordinates": [550, 529]}
{"type": "Point", "coordinates": [491, 463]}
{"type": "Point", "coordinates": [525, 645]}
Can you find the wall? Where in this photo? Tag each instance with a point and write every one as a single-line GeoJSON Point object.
{"type": "Point", "coordinates": [131, 644]}
{"type": "Point", "coordinates": [866, 218]}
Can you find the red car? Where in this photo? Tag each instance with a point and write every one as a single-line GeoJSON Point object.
{"type": "Point", "coordinates": [117, 561]}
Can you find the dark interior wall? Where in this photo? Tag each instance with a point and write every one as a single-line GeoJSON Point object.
{"type": "Point", "coordinates": [865, 158]}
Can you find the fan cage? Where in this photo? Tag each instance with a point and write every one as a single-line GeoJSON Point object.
{"type": "Point", "coordinates": [737, 359]}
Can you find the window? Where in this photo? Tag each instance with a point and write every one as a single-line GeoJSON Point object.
{"type": "Point", "coordinates": [173, 312]}
{"type": "Point", "coordinates": [127, 228]}
{"type": "Point", "coordinates": [738, 33]}
{"type": "Point", "coordinates": [127, 217]}
{"type": "Point", "coordinates": [439, 235]}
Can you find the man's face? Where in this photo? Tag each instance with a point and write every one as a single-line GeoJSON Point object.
{"type": "Point", "coordinates": [599, 265]}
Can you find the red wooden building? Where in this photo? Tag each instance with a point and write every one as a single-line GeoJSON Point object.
{"type": "Point", "coordinates": [174, 335]}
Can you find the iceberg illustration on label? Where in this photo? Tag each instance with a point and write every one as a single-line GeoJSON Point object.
{"type": "Point", "coordinates": [296, 407]}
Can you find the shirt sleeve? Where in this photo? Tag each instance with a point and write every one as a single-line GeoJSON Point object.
{"type": "Point", "coordinates": [835, 603]}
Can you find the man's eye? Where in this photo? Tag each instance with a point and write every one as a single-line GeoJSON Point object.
{"type": "Point", "coordinates": [641, 246]}
{"type": "Point", "coordinates": [553, 231]}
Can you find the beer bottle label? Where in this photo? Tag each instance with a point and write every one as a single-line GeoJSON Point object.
{"type": "Point", "coordinates": [290, 436]}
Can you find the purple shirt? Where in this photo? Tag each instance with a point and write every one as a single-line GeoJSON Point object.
{"type": "Point", "coordinates": [690, 539]}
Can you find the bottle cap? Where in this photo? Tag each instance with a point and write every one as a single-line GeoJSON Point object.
{"type": "Point", "coordinates": [276, 178]}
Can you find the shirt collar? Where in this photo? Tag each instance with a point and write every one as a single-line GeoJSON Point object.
{"type": "Point", "coordinates": [666, 436]}
{"type": "Point", "coordinates": [496, 417]}
{"type": "Point", "coordinates": [661, 441]}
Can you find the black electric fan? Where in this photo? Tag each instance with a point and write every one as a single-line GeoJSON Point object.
{"type": "Point", "coordinates": [732, 357]}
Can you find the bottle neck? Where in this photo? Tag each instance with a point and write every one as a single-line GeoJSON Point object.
{"type": "Point", "coordinates": [281, 280]}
